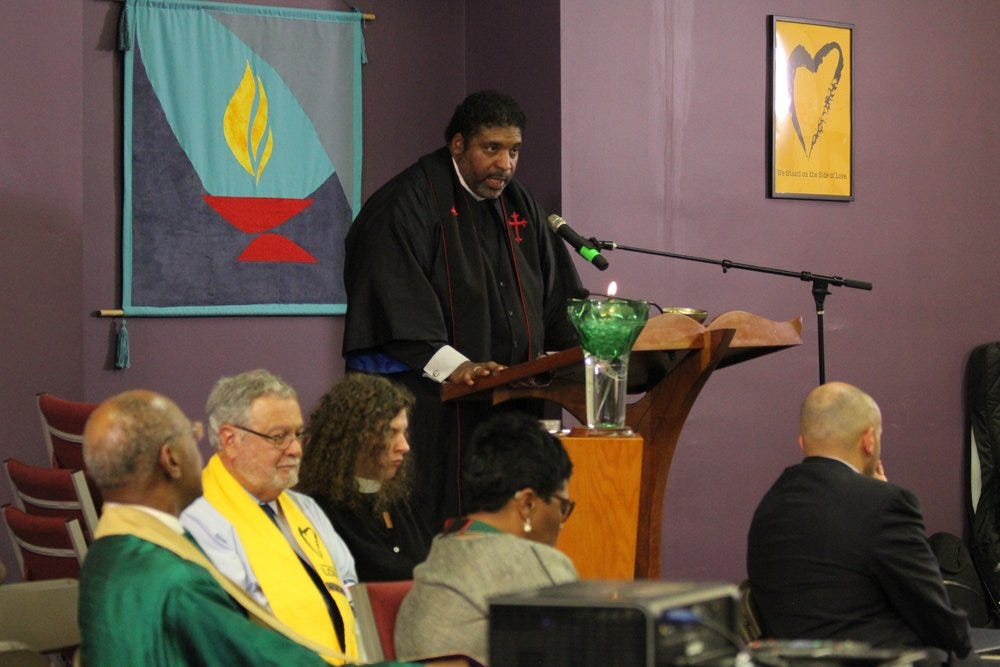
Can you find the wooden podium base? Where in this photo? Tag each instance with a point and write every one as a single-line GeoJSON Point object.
{"type": "Point", "coordinates": [601, 535]}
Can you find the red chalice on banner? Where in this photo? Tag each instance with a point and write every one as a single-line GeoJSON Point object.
{"type": "Point", "coordinates": [254, 215]}
{"type": "Point", "coordinates": [248, 133]}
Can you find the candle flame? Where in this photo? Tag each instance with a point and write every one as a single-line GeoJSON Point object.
{"type": "Point", "coordinates": [612, 288]}
{"type": "Point", "coordinates": [246, 125]}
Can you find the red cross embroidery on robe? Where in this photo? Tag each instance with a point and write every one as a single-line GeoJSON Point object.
{"type": "Point", "coordinates": [516, 222]}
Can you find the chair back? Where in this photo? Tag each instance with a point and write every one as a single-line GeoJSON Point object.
{"type": "Point", "coordinates": [961, 580]}
{"type": "Point", "coordinates": [62, 426]}
{"type": "Point", "coordinates": [53, 492]}
{"type": "Point", "coordinates": [376, 604]}
{"type": "Point", "coordinates": [46, 547]}
{"type": "Point", "coordinates": [40, 615]}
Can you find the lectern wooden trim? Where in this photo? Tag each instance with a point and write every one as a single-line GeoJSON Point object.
{"type": "Point", "coordinates": [671, 361]}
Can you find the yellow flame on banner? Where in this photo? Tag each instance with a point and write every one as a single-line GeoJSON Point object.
{"type": "Point", "coordinates": [246, 124]}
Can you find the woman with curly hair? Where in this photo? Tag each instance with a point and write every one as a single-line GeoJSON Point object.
{"type": "Point", "coordinates": [355, 466]}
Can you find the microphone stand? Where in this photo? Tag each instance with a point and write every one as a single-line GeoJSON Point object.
{"type": "Point", "coordinates": [820, 284]}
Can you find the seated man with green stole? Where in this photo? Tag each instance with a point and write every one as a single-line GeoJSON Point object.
{"type": "Point", "coordinates": [148, 595]}
{"type": "Point", "coordinates": [274, 543]}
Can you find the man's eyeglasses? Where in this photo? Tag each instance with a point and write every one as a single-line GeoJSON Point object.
{"type": "Point", "coordinates": [282, 441]}
{"type": "Point", "coordinates": [565, 506]}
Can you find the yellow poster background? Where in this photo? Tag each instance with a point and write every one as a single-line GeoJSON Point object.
{"type": "Point", "coordinates": [811, 85]}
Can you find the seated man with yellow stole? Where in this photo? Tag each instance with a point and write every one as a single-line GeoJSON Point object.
{"type": "Point", "coordinates": [275, 544]}
{"type": "Point", "coordinates": [148, 595]}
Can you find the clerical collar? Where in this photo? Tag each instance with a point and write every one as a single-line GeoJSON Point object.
{"type": "Point", "coordinates": [172, 522]}
{"type": "Point", "coordinates": [464, 184]}
{"type": "Point", "coordinates": [366, 485]}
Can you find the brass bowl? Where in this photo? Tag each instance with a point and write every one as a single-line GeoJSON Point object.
{"type": "Point", "coordinates": [696, 314]}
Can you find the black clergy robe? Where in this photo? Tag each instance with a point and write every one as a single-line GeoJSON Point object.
{"type": "Point", "coordinates": [427, 266]}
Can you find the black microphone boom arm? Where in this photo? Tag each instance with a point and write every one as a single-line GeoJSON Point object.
{"type": "Point", "coordinates": [821, 284]}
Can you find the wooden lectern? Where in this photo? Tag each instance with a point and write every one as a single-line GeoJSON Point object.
{"type": "Point", "coordinates": [670, 362]}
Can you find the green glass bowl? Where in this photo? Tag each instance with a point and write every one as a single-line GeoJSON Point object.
{"type": "Point", "coordinates": [607, 326]}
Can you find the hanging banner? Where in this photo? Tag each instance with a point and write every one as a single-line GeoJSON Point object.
{"type": "Point", "coordinates": [242, 138]}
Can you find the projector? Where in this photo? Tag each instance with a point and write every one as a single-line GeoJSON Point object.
{"type": "Point", "coordinates": [611, 623]}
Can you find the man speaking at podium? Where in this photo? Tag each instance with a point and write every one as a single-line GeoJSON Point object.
{"type": "Point", "coordinates": [452, 274]}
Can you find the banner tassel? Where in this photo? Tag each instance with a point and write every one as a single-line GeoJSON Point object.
{"type": "Point", "coordinates": [364, 52]}
{"type": "Point", "coordinates": [125, 29]}
{"type": "Point", "coordinates": [122, 359]}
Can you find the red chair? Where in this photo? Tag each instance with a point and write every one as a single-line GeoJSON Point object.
{"type": "Point", "coordinates": [47, 547]}
{"type": "Point", "coordinates": [376, 604]}
{"type": "Point", "coordinates": [53, 492]}
{"type": "Point", "coordinates": [62, 425]}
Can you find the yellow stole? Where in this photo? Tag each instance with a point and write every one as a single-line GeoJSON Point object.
{"type": "Point", "coordinates": [124, 520]}
{"type": "Point", "coordinates": [290, 592]}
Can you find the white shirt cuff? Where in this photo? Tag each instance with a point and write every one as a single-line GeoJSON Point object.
{"type": "Point", "coordinates": [443, 363]}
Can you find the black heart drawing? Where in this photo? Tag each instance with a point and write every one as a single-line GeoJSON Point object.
{"type": "Point", "coordinates": [801, 58]}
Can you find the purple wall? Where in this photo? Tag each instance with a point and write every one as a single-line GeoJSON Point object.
{"type": "Point", "coordinates": [664, 147]}
{"type": "Point", "coordinates": [514, 47]}
{"type": "Point", "coordinates": [41, 197]}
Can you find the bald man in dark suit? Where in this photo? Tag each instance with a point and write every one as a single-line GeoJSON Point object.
{"type": "Point", "coordinates": [836, 552]}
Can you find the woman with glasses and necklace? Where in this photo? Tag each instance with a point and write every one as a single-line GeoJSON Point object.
{"type": "Point", "coordinates": [356, 467]}
{"type": "Point", "coordinates": [515, 495]}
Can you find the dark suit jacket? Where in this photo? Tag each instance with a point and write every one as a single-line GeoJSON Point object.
{"type": "Point", "coordinates": [833, 554]}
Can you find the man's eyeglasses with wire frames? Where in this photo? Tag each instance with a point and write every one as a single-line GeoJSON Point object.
{"type": "Point", "coordinates": [281, 441]}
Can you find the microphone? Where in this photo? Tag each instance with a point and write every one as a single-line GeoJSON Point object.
{"type": "Point", "coordinates": [580, 244]}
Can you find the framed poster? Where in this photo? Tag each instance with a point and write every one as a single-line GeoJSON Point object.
{"type": "Point", "coordinates": [810, 115]}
